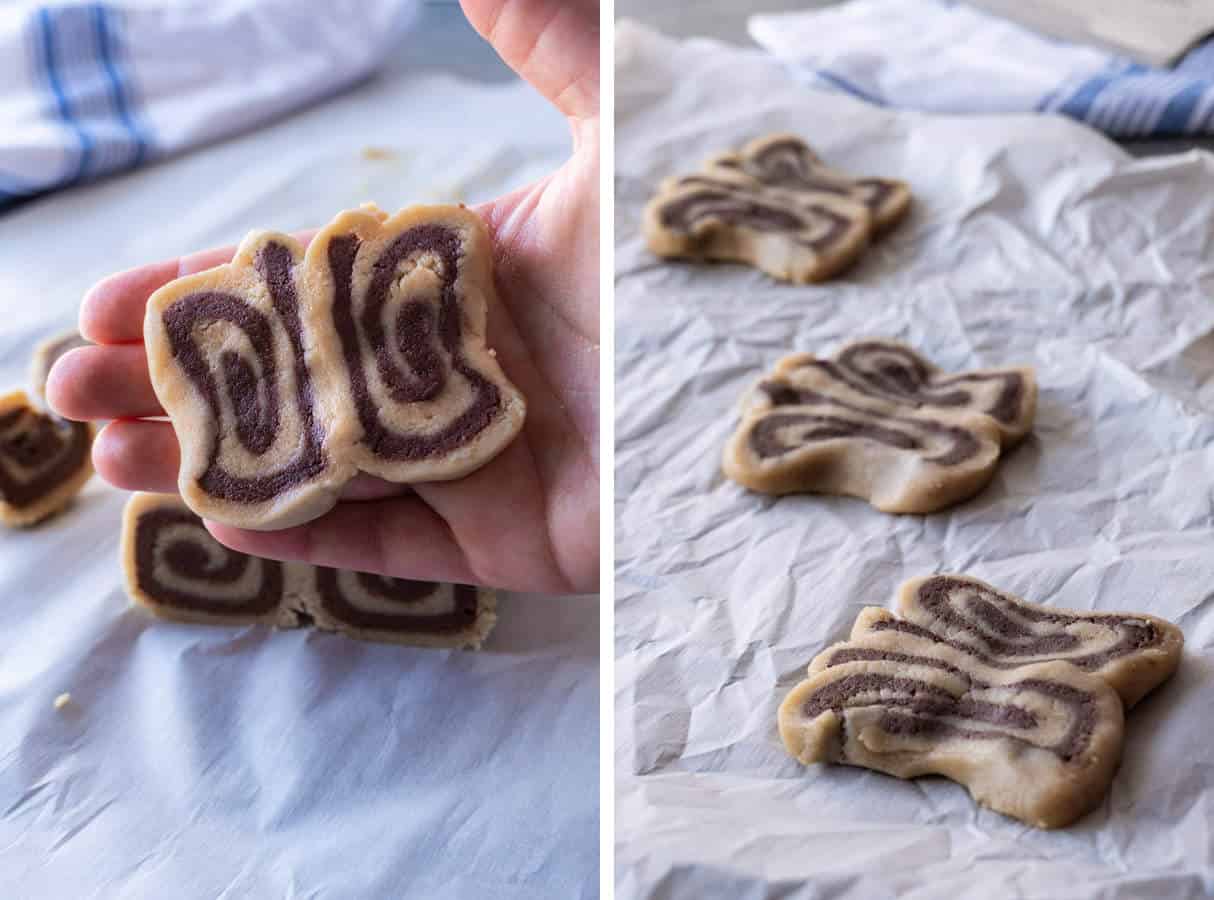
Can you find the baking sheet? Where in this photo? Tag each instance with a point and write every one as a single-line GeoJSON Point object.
{"type": "Point", "coordinates": [1032, 240]}
{"type": "Point", "coordinates": [244, 763]}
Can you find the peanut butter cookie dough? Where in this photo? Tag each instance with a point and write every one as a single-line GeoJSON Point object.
{"type": "Point", "coordinates": [879, 422]}
{"type": "Point", "coordinates": [176, 570]}
{"type": "Point", "coordinates": [44, 460]}
{"type": "Point", "coordinates": [1022, 704]}
{"type": "Point", "coordinates": [285, 373]}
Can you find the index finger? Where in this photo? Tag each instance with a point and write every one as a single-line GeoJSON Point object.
{"type": "Point", "coordinates": [112, 310]}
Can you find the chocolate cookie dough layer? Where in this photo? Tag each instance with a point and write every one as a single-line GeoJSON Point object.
{"type": "Point", "coordinates": [44, 461]}
{"type": "Point", "coordinates": [1031, 725]}
{"type": "Point", "coordinates": [175, 569]}
{"type": "Point", "coordinates": [729, 216]}
{"type": "Point", "coordinates": [45, 355]}
{"type": "Point", "coordinates": [399, 317]}
{"type": "Point", "coordinates": [1134, 653]}
{"type": "Point", "coordinates": [286, 374]}
{"type": "Point", "coordinates": [786, 162]}
{"type": "Point", "coordinates": [879, 422]}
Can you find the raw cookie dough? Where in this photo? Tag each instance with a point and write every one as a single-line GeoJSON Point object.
{"type": "Point", "coordinates": [879, 422]}
{"type": "Point", "coordinates": [45, 355]}
{"type": "Point", "coordinates": [729, 216]}
{"type": "Point", "coordinates": [1022, 704]}
{"type": "Point", "coordinates": [175, 569]}
{"type": "Point", "coordinates": [785, 161]}
{"type": "Point", "coordinates": [776, 206]}
{"type": "Point", "coordinates": [285, 373]}
{"type": "Point", "coordinates": [44, 460]}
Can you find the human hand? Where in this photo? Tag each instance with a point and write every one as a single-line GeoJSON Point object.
{"type": "Point", "coordinates": [528, 520]}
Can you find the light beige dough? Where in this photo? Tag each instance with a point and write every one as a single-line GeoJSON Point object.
{"type": "Point", "coordinates": [45, 356]}
{"type": "Point", "coordinates": [286, 373]}
{"type": "Point", "coordinates": [1021, 704]}
{"type": "Point", "coordinates": [879, 422]}
{"type": "Point", "coordinates": [44, 461]}
{"type": "Point", "coordinates": [176, 570]}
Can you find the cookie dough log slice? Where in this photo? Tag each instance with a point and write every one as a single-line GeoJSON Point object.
{"type": "Point", "coordinates": [237, 371]}
{"type": "Point", "coordinates": [398, 610]}
{"type": "Point", "coordinates": [785, 161]}
{"type": "Point", "coordinates": [44, 461]}
{"type": "Point", "coordinates": [401, 312]}
{"type": "Point", "coordinates": [1039, 742]}
{"type": "Point", "coordinates": [795, 436]}
{"type": "Point", "coordinates": [882, 371]}
{"type": "Point", "coordinates": [177, 571]}
{"type": "Point", "coordinates": [730, 217]}
{"type": "Point", "coordinates": [1132, 652]}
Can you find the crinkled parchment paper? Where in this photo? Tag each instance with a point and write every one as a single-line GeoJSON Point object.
{"type": "Point", "coordinates": [243, 763]}
{"type": "Point", "coordinates": [1032, 240]}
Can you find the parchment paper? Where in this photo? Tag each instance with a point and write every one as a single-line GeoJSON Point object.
{"type": "Point", "coordinates": [243, 763]}
{"type": "Point", "coordinates": [1032, 240]}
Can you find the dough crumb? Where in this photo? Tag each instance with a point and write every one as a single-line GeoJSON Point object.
{"type": "Point", "coordinates": [378, 153]}
{"type": "Point", "coordinates": [63, 700]}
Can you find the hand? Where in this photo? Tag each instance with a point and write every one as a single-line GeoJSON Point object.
{"type": "Point", "coordinates": [529, 519]}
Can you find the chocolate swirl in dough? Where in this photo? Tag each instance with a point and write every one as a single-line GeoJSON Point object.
{"type": "Point", "coordinates": [878, 421]}
{"type": "Point", "coordinates": [175, 569]}
{"type": "Point", "coordinates": [44, 461]}
{"type": "Point", "coordinates": [785, 161]}
{"type": "Point", "coordinates": [286, 373]}
{"type": "Point", "coordinates": [408, 308]}
{"type": "Point", "coordinates": [374, 604]}
{"type": "Point", "coordinates": [725, 215]}
{"type": "Point", "coordinates": [1037, 737]}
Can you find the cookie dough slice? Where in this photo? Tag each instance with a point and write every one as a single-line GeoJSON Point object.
{"type": "Point", "coordinates": [44, 460]}
{"type": "Point", "coordinates": [1039, 742]}
{"type": "Point", "coordinates": [176, 570]}
{"type": "Point", "coordinates": [45, 356]}
{"type": "Point", "coordinates": [399, 317]}
{"type": "Point", "coordinates": [729, 216]}
{"type": "Point", "coordinates": [397, 610]}
{"type": "Point", "coordinates": [786, 162]}
{"type": "Point", "coordinates": [879, 422]}
{"type": "Point", "coordinates": [1133, 652]}
{"type": "Point", "coordinates": [236, 370]}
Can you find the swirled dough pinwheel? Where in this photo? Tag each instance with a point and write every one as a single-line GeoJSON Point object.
{"type": "Point", "coordinates": [176, 570]}
{"type": "Point", "coordinates": [44, 461]}
{"type": "Point", "coordinates": [286, 372]}
{"type": "Point", "coordinates": [1022, 704]}
{"type": "Point", "coordinates": [879, 422]}
{"type": "Point", "coordinates": [775, 206]}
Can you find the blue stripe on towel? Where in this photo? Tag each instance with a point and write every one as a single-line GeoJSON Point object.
{"type": "Point", "coordinates": [110, 52]}
{"type": "Point", "coordinates": [49, 59]}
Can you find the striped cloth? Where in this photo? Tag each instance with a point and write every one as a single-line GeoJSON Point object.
{"type": "Point", "coordinates": [941, 56]}
{"type": "Point", "coordinates": [87, 89]}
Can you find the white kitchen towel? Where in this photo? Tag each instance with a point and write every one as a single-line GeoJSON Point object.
{"type": "Point", "coordinates": [942, 56]}
{"type": "Point", "coordinates": [92, 88]}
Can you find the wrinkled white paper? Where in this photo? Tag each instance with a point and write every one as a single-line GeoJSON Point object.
{"type": "Point", "coordinates": [1032, 240]}
{"type": "Point", "coordinates": [244, 763]}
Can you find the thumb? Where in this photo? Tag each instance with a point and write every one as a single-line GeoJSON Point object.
{"type": "Point", "coordinates": [552, 44]}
